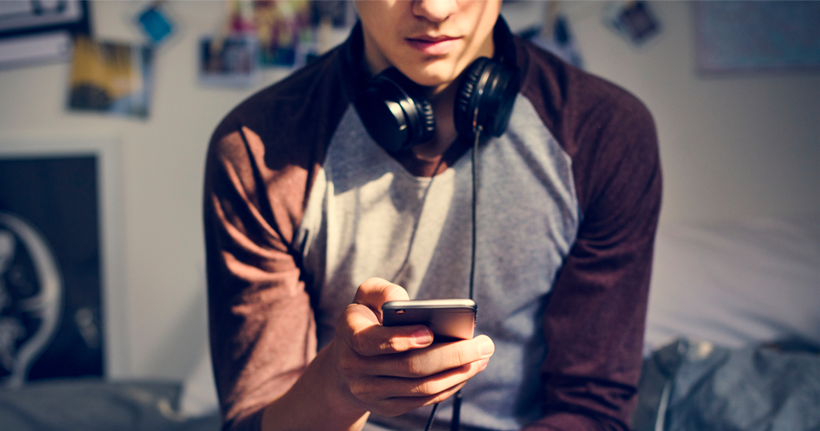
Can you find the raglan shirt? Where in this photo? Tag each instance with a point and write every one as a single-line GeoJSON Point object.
{"type": "Point", "coordinates": [301, 206]}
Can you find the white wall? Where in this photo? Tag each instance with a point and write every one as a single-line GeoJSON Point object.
{"type": "Point", "coordinates": [731, 147]}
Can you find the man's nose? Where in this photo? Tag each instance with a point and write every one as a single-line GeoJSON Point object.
{"type": "Point", "coordinates": [435, 10]}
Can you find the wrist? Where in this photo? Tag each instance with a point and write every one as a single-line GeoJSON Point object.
{"type": "Point", "coordinates": [318, 400]}
{"type": "Point", "coordinates": [338, 398]}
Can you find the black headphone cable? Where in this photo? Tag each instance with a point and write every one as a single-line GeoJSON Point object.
{"type": "Point", "coordinates": [455, 421]}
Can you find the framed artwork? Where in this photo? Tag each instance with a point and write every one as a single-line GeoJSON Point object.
{"type": "Point", "coordinates": [757, 36]}
{"type": "Point", "coordinates": [63, 307]}
{"type": "Point", "coordinates": [34, 31]}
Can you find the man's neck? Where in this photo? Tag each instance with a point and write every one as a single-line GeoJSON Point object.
{"type": "Point", "coordinates": [443, 102]}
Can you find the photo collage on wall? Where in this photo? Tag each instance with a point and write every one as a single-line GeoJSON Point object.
{"type": "Point", "coordinates": [260, 34]}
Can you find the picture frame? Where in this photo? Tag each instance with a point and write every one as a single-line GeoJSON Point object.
{"type": "Point", "coordinates": [756, 37]}
{"type": "Point", "coordinates": [33, 31]}
{"type": "Point", "coordinates": [106, 164]}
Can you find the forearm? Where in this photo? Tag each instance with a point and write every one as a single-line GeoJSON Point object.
{"type": "Point", "coordinates": [315, 401]}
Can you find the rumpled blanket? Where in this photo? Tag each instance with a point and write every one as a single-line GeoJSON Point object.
{"type": "Point", "coordinates": [94, 404]}
{"type": "Point", "coordinates": [694, 386]}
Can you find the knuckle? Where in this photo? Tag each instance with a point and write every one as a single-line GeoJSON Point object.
{"type": "Point", "coordinates": [357, 342]}
{"type": "Point", "coordinates": [411, 365]}
{"type": "Point", "coordinates": [343, 323]}
{"type": "Point", "coordinates": [359, 390]}
{"type": "Point", "coordinates": [347, 366]}
{"type": "Point", "coordinates": [460, 356]}
{"type": "Point", "coordinates": [424, 388]}
{"type": "Point", "coordinates": [350, 364]}
{"type": "Point", "coordinates": [393, 344]}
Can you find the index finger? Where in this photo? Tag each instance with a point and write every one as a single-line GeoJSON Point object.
{"type": "Point", "coordinates": [368, 338]}
{"type": "Point", "coordinates": [360, 324]}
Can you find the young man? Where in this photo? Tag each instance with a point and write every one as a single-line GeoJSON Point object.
{"type": "Point", "coordinates": [309, 222]}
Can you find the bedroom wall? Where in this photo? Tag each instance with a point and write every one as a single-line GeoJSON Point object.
{"type": "Point", "coordinates": [732, 147]}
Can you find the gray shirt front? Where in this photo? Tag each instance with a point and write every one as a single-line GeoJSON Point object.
{"type": "Point", "coordinates": [367, 216]}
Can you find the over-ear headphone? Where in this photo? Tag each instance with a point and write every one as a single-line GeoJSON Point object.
{"type": "Point", "coordinates": [397, 115]}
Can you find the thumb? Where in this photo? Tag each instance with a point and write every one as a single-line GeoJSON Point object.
{"type": "Point", "coordinates": [374, 292]}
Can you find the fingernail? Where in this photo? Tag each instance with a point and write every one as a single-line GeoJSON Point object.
{"type": "Point", "coordinates": [485, 347]}
{"type": "Point", "coordinates": [422, 336]}
{"type": "Point", "coordinates": [482, 364]}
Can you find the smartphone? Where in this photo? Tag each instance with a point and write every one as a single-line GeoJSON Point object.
{"type": "Point", "coordinates": [449, 319]}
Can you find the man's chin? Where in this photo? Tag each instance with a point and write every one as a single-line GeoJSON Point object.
{"type": "Point", "coordinates": [435, 76]}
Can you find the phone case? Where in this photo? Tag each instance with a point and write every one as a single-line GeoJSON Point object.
{"type": "Point", "coordinates": [449, 319]}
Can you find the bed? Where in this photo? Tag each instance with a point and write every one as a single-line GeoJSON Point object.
{"type": "Point", "coordinates": [731, 343]}
{"type": "Point", "coordinates": [733, 328]}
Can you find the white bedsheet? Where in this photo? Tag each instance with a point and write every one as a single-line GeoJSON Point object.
{"type": "Point", "coordinates": [736, 283]}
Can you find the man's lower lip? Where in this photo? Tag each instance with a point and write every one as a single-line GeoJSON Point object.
{"type": "Point", "coordinates": [432, 48]}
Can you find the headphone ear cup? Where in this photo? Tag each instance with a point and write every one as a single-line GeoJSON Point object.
{"type": "Point", "coordinates": [428, 118]}
{"type": "Point", "coordinates": [485, 98]}
{"type": "Point", "coordinates": [464, 105]}
{"type": "Point", "coordinates": [395, 112]}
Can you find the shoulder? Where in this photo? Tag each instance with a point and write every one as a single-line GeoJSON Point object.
{"type": "Point", "coordinates": [574, 103]}
{"type": "Point", "coordinates": [288, 110]}
{"type": "Point", "coordinates": [269, 148]}
{"type": "Point", "coordinates": [608, 133]}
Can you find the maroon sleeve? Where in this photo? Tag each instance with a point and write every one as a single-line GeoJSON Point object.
{"type": "Point", "coordinates": [260, 166]}
{"type": "Point", "coordinates": [261, 324]}
{"type": "Point", "coordinates": [594, 320]}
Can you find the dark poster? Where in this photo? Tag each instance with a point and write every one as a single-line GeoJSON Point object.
{"type": "Point", "coordinates": [50, 269]}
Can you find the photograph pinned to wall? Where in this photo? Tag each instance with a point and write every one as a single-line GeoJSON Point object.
{"type": "Point", "coordinates": [50, 269]}
{"type": "Point", "coordinates": [240, 18]}
{"type": "Point", "coordinates": [285, 32]}
{"type": "Point", "coordinates": [33, 31]}
{"type": "Point", "coordinates": [633, 20]}
{"type": "Point", "coordinates": [339, 13]}
{"type": "Point", "coordinates": [156, 22]}
{"type": "Point", "coordinates": [290, 33]}
{"type": "Point", "coordinates": [760, 36]}
{"type": "Point", "coordinates": [111, 77]}
{"type": "Point", "coordinates": [231, 61]}
{"type": "Point", "coordinates": [554, 34]}
{"type": "Point", "coordinates": [329, 17]}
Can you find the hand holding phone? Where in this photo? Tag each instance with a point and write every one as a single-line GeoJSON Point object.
{"type": "Point", "coordinates": [448, 319]}
{"type": "Point", "coordinates": [392, 369]}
